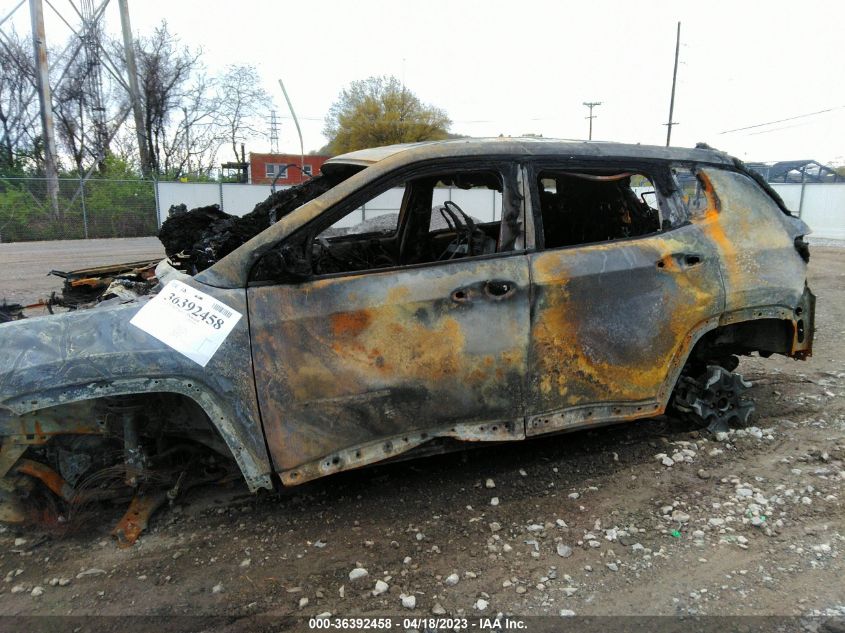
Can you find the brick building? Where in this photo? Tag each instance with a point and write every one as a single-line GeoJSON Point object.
{"type": "Point", "coordinates": [264, 167]}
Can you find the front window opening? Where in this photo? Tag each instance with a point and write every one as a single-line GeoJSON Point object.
{"type": "Point", "coordinates": [588, 207]}
{"type": "Point", "coordinates": [447, 216]}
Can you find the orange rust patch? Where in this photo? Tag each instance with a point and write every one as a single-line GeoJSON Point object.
{"type": "Point", "coordinates": [350, 323]}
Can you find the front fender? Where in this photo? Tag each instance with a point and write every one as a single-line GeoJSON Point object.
{"type": "Point", "coordinates": [53, 360]}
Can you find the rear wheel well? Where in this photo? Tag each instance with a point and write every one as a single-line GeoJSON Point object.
{"type": "Point", "coordinates": [764, 336]}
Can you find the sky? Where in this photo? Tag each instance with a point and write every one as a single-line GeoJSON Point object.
{"type": "Point", "coordinates": [526, 67]}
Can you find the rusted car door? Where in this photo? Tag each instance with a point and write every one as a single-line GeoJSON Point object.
{"type": "Point", "coordinates": [612, 322]}
{"type": "Point", "coordinates": [356, 368]}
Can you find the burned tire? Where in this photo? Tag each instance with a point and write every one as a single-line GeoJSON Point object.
{"type": "Point", "coordinates": [713, 399]}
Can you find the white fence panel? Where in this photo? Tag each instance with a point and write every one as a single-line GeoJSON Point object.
{"type": "Point", "coordinates": [824, 210]}
{"type": "Point", "coordinates": [241, 199]}
{"type": "Point", "coordinates": [823, 207]}
{"type": "Point", "coordinates": [191, 194]}
{"type": "Point", "coordinates": [791, 194]}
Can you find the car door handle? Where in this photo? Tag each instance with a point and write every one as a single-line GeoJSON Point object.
{"type": "Point", "coordinates": [681, 261]}
{"type": "Point", "coordinates": [499, 288]}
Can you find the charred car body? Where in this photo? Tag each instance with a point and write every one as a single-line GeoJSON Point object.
{"type": "Point", "coordinates": [601, 283]}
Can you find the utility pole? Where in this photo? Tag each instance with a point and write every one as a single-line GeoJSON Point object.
{"type": "Point", "coordinates": [134, 92]}
{"type": "Point", "coordinates": [42, 71]}
{"type": "Point", "coordinates": [591, 105]}
{"type": "Point", "coordinates": [674, 80]}
{"type": "Point", "coordinates": [298, 131]}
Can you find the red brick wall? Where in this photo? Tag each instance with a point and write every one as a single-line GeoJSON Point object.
{"type": "Point", "coordinates": [258, 168]}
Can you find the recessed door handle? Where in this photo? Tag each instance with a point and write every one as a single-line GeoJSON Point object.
{"type": "Point", "coordinates": [498, 288]}
{"type": "Point", "coordinates": [679, 261]}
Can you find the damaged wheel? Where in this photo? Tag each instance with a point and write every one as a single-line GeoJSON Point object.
{"type": "Point", "coordinates": [714, 399]}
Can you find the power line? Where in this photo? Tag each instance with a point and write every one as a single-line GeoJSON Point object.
{"type": "Point", "coordinates": [792, 118]}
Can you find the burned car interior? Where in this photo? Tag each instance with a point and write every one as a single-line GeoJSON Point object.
{"type": "Point", "coordinates": [582, 208]}
{"type": "Point", "coordinates": [420, 230]}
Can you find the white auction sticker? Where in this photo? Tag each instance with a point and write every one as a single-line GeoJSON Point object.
{"type": "Point", "coordinates": [189, 321]}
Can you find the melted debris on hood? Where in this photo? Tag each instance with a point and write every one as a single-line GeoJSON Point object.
{"type": "Point", "coordinates": [196, 239]}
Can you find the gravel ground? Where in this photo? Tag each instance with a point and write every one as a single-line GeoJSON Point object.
{"type": "Point", "coordinates": [590, 522]}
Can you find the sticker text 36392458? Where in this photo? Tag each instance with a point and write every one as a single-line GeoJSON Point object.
{"type": "Point", "coordinates": [191, 322]}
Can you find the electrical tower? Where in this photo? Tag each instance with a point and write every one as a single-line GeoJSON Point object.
{"type": "Point", "coordinates": [591, 105]}
{"type": "Point", "coordinates": [274, 133]}
{"type": "Point", "coordinates": [86, 25]}
{"type": "Point", "coordinates": [91, 42]}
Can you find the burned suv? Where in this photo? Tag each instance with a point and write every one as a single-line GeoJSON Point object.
{"type": "Point", "coordinates": [415, 297]}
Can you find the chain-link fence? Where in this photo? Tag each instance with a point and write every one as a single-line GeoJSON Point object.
{"type": "Point", "coordinates": [94, 208]}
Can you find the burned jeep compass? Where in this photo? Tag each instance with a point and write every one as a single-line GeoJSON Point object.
{"type": "Point", "coordinates": [414, 297]}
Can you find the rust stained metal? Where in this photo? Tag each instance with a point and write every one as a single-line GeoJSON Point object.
{"type": "Point", "coordinates": [48, 476]}
{"type": "Point", "coordinates": [90, 354]}
{"type": "Point", "coordinates": [755, 243]}
{"type": "Point", "coordinates": [137, 517]}
{"type": "Point", "coordinates": [341, 362]}
{"type": "Point", "coordinates": [609, 322]}
{"type": "Point", "coordinates": [387, 448]}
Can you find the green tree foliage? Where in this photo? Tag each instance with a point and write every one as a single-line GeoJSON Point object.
{"type": "Point", "coordinates": [114, 203]}
{"type": "Point", "coordinates": [381, 111]}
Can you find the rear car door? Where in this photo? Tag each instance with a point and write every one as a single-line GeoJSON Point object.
{"type": "Point", "coordinates": [621, 286]}
{"type": "Point", "coordinates": [358, 366]}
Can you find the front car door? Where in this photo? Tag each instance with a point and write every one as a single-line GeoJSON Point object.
{"type": "Point", "coordinates": [353, 367]}
{"type": "Point", "coordinates": [622, 283]}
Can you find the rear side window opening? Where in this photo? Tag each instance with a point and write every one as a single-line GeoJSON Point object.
{"type": "Point", "coordinates": [584, 207]}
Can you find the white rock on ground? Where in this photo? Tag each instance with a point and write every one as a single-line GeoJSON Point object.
{"type": "Point", "coordinates": [481, 604]}
{"type": "Point", "coordinates": [564, 551]}
{"type": "Point", "coordinates": [452, 580]}
{"type": "Point", "coordinates": [358, 572]}
{"type": "Point", "coordinates": [380, 587]}
{"type": "Point", "coordinates": [409, 602]}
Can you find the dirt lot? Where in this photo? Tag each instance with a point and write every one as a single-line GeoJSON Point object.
{"type": "Point", "coordinates": [24, 266]}
{"type": "Point", "coordinates": [590, 522]}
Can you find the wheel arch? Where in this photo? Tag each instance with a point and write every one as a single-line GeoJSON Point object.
{"type": "Point", "coordinates": [231, 423]}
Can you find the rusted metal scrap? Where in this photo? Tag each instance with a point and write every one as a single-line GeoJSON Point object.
{"type": "Point", "coordinates": [87, 286]}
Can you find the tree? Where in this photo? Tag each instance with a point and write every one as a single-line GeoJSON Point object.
{"type": "Point", "coordinates": [242, 103]}
{"type": "Point", "coordinates": [18, 102]}
{"type": "Point", "coordinates": [178, 106]}
{"type": "Point", "coordinates": [381, 111]}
